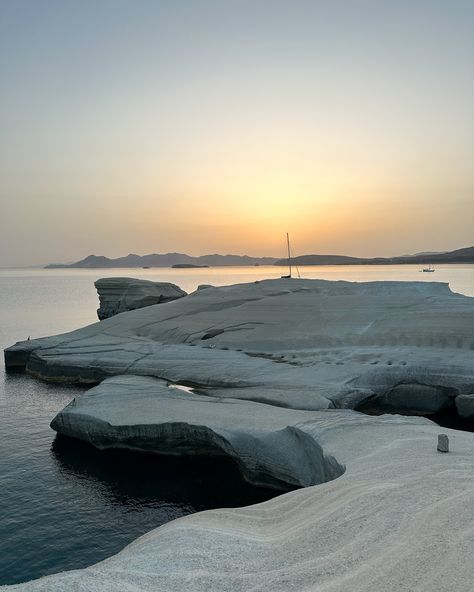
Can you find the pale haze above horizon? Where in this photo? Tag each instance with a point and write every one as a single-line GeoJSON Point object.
{"type": "Point", "coordinates": [217, 126]}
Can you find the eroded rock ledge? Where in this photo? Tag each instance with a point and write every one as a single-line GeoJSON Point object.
{"type": "Point", "coordinates": [122, 294]}
{"type": "Point", "coordinates": [305, 344]}
{"type": "Point", "coordinates": [269, 444]}
{"type": "Point", "coordinates": [399, 518]}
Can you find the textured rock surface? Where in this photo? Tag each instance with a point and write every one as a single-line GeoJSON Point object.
{"type": "Point", "coordinates": [398, 519]}
{"type": "Point", "coordinates": [308, 344]}
{"type": "Point", "coordinates": [143, 413]}
{"type": "Point", "coordinates": [121, 294]}
{"type": "Point", "coordinates": [411, 398]}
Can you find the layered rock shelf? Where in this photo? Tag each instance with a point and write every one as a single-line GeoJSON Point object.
{"type": "Point", "coordinates": [269, 444]}
{"type": "Point", "coordinates": [280, 370]}
{"type": "Point", "coordinates": [306, 344]}
{"type": "Point", "coordinates": [122, 294]}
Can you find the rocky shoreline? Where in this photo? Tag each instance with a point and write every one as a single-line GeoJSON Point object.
{"type": "Point", "coordinates": [280, 369]}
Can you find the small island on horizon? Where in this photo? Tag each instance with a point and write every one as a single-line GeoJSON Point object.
{"type": "Point", "coordinates": [187, 266]}
{"type": "Point", "coordinates": [183, 261]}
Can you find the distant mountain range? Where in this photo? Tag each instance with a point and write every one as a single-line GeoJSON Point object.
{"type": "Point", "coordinates": [165, 260]}
{"type": "Point", "coordinates": [180, 259]}
{"type": "Point", "coordinates": [459, 256]}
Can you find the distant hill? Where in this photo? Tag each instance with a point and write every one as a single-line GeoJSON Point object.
{"type": "Point", "coordinates": [163, 260]}
{"type": "Point", "coordinates": [424, 253]}
{"type": "Point", "coordinates": [459, 256]}
{"type": "Point", "coordinates": [180, 260]}
{"type": "Point", "coordinates": [322, 260]}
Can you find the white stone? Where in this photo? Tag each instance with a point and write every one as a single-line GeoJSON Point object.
{"type": "Point", "coordinates": [443, 443]}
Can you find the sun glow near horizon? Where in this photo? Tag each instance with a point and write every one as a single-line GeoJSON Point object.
{"type": "Point", "coordinates": [218, 128]}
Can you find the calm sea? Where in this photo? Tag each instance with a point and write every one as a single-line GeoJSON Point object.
{"type": "Point", "coordinates": [63, 505]}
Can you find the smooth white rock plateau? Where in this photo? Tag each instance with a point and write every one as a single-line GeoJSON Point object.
{"type": "Point", "coordinates": [122, 294]}
{"type": "Point", "coordinates": [308, 344]}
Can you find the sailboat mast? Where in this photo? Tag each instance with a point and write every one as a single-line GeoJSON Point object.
{"type": "Point", "coordinates": [289, 254]}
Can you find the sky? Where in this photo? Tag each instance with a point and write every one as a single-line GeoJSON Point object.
{"type": "Point", "coordinates": [218, 125]}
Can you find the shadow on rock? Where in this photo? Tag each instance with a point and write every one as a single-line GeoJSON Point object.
{"type": "Point", "coordinates": [129, 478]}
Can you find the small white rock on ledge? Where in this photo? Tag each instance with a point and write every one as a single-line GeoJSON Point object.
{"type": "Point", "coordinates": [443, 443]}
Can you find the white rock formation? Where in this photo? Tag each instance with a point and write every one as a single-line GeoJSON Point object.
{"type": "Point", "coordinates": [304, 351]}
{"type": "Point", "coordinates": [143, 413]}
{"type": "Point", "coordinates": [308, 344]}
{"type": "Point", "coordinates": [399, 518]}
{"type": "Point", "coordinates": [121, 294]}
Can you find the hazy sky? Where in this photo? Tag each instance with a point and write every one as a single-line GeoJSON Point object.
{"type": "Point", "coordinates": [217, 125]}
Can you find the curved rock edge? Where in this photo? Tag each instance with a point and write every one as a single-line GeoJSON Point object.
{"type": "Point", "coordinates": [400, 517]}
{"type": "Point", "coordinates": [141, 413]}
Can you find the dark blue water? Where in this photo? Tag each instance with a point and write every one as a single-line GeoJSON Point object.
{"type": "Point", "coordinates": [64, 505]}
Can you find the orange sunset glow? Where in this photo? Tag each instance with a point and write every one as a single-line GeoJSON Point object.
{"type": "Point", "coordinates": [221, 129]}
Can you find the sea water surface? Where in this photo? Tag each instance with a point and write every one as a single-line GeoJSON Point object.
{"type": "Point", "coordinates": [64, 505]}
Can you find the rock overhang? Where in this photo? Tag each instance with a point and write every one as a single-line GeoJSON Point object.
{"type": "Point", "coordinates": [268, 443]}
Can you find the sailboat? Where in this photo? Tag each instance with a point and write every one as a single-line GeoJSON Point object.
{"type": "Point", "coordinates": [286, 277]}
